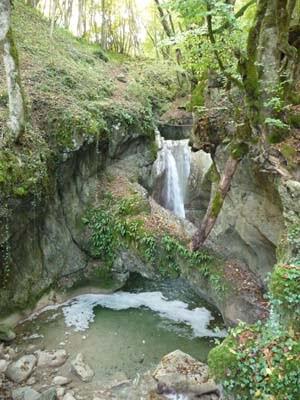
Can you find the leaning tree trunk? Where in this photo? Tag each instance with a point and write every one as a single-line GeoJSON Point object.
{"type": "Point", "coordinates": [16, 121]}
{"type": "Point", "coordinates": [215, 204]}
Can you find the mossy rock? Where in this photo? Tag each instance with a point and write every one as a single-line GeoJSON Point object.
{"type": "Point", "coordinates": [222, 359]}
{"type": "Point", "coordinates": [6, 333]}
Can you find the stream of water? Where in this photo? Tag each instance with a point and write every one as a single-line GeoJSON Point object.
{"type": "Point", "coordinates": [173, 163]}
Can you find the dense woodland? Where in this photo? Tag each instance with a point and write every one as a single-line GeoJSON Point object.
{"type": "Point", "coordinates": [173, 49]}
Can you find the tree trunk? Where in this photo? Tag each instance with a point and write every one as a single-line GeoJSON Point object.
{"type": "Point", "coordinates": [164, 20]}
{"type": "Point", "coordinates": [103, 26]}
{"type": "Point", "coordinates": [16, 121]}
{"type": "Point", "coordinates": [15, 92]}
{"type": "Point", "coordinates": [215, 204]}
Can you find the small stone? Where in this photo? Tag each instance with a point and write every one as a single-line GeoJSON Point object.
{"type": "Point", "coordinates": [10, 353]}
{"type": "Point", "coordinates": [80, 368]}
{"type": "Point", "coordinates": [122, 78]}
{"type": "Point", "coordinates": [3, 366]}
{"type": "Point", "coordinates": [61, 380]}
{"type": "Point", "coordinates": [51, 359]}
{"type": "Point", "coordinates": [21, 369]}
{"type": "Point", "coordinates": [31, 381]}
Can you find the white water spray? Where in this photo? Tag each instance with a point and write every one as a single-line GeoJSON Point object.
{"type": "Point", "coordinates": [173, 164]}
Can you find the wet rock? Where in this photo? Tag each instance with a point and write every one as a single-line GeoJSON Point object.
{"type": "Point", "coordinates": [180, 373]}
{"type": "Point", "coordinates": [6, 333]}
{"type": "Point", "coordinates": [21, 369]}
{"type": "Point", "coordinates": [25, 393]}
{"type": "Point", "coordinates": [51, 359]}
{"type": "Point", "coordinates": [61, 380]}
{"type": "Point", "coordinates": [80, 368]}
{"type": "Point", "coordinates": [3, 365]}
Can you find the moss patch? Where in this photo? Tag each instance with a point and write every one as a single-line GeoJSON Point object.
{"type": "Point", "coordinates": [217, 204]}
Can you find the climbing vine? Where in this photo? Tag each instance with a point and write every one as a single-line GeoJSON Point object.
{"type": "Point", "coordinates": [117, 224]}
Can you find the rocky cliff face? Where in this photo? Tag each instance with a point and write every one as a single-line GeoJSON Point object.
{"type": "Point", "coordinates": [43, 240]}
{"type": "Point", "coordinates": [251, 221]}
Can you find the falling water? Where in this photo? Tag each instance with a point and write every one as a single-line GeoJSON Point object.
{"type": "Point", "coordinates": [173, 164]}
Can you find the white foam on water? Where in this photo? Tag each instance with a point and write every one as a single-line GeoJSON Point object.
{"type": "Point", "coordinates": [79, 312]}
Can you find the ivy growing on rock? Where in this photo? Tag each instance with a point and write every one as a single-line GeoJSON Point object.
{"type": "Point", "coordinates": [117, 224]}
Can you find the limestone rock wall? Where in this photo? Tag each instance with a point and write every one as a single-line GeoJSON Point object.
{"type": "Point", "coordinates": [43, 240]}
{"type": "Point", "coordinates": [251, 221]}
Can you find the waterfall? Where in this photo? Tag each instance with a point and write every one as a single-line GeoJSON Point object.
{"type": "Point", "coordinates": [172, 170]}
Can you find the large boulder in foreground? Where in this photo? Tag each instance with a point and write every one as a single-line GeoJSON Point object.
{"type": "Point", "coordinates": [20, 370]}
{"type": "Point", "coordinates": [179, 373]}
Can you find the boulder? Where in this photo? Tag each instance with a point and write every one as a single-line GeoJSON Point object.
{"type": "Point", "coordinates": [179, 373]}
{"type": "Point", "coordinates": [25, 393]}
{"type": "Point", "coordinates": [6, 333]}
{"type": "Point", "coordinates": [21, 369]}
{"type": "Point", "coordinates": [51, 359]}
{"type": "Point", "coordinates": [81, 369]}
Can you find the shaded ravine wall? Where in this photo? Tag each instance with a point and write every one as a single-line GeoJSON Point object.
{"type": "Point", "coordinates": [49, 243]}
{"type": "Point", "coordinates": [47, 239]}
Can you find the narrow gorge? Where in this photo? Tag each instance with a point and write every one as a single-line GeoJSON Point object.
{"type": "Point", "coordinates": [122, 162]}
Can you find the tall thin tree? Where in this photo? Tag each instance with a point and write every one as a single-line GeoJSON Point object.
{"type": "Point", "coordinates": [17, 109]}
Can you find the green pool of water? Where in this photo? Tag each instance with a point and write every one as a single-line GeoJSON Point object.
{"type": "Point", "coordinates": [130, 340]}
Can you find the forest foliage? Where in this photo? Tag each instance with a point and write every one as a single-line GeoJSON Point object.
{"type": "Point", "coordinates": [79, 87]}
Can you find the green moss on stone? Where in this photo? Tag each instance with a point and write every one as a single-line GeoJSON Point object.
{"type": "Point", "coordinates": [222, 359]}
{"type": "Point", "coordinates": [217, 204]}
{"type": "Point", "coordinates": [213, 174]}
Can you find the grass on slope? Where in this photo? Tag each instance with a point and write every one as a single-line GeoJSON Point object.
{"type": "Point", "coordinates": [72, 93]}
